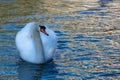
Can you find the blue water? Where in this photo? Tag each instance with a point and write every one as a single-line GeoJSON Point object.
{"type": "Point", "coordinates": [88, 49]}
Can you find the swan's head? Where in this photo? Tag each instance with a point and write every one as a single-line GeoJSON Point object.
{"type": "Point", "coordinates": [36, 26]}
{"type": "Point", "coordinates": [43, 30]}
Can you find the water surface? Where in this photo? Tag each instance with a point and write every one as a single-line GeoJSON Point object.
{"type": "Point", "coordinates": [88, 35]}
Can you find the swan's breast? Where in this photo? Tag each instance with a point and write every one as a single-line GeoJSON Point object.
{"type": "Point", "coordinates": [49, 43]}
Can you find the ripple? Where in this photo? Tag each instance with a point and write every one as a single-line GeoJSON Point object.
{"type": "Point", "coordinates": [86, 48]}
{"type": "Point", "coordinates": [110, 74]}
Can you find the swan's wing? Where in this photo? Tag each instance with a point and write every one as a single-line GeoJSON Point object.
{"type": "Point", "coordinates": [49, 43]}
{"type": "Point", "coordinates": [24, 44]}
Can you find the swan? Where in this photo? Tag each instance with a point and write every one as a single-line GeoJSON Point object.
{"type": "Point", "coordinates": [36, 43]}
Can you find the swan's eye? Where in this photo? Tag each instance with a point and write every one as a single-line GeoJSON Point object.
{"type": "Point", "coordinates": [42, 29]}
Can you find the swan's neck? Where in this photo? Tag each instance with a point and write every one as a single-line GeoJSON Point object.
{"type": "Point", "coordinates": [37, 41]}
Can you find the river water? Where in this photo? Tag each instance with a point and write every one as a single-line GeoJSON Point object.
{"type": "Point", "coordinates": [88, 33]}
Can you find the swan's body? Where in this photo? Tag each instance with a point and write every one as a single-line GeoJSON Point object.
{"type": "Point", "coordinates": [33, 45]}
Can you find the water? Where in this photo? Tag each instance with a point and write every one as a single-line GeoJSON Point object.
{"type": "Point", "coordinates": [88, 39]}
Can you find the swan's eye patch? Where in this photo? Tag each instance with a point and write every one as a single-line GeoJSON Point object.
{"type": "Point", "coordinates": [42, 27]}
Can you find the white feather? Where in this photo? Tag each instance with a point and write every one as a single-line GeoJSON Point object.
{"type": "Point", "coordinates": [34, 46]}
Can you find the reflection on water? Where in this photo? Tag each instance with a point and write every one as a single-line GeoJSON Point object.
{"type": "Point", "coordinates": [88, 39]}
{"type": "Point", "coordinates": [29, 71]}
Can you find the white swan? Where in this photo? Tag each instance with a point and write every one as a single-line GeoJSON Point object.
{"type": "Point", "coordinates": [36, 43]}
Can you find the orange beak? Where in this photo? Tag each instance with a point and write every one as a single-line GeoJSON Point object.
{"type": "Point", "coordinates": [44, 31]}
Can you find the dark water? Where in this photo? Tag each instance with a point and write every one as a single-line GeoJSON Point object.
{"type": "Point", "coordinates": [88, 39]}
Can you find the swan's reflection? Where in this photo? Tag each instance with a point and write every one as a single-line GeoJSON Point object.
{"type": "Point", "coordinates": [28, 71]}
